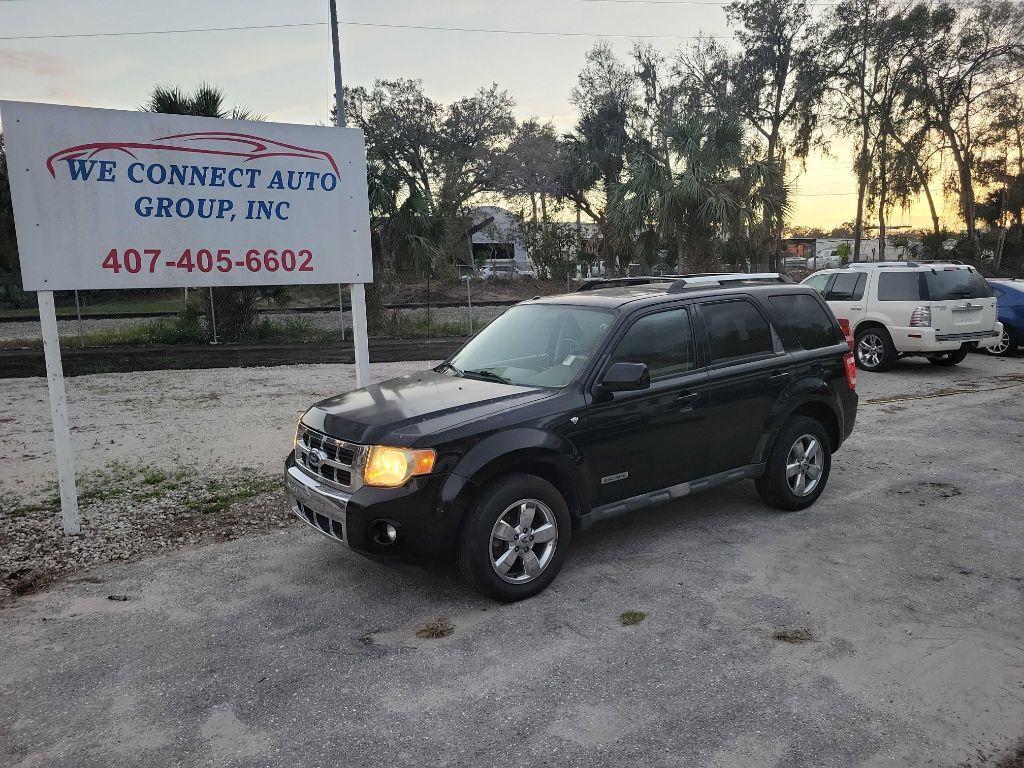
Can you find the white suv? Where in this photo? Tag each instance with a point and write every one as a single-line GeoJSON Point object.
{"type": "Point", "coordinates": [898, 309]}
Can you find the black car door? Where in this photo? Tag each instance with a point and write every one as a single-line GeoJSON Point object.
{"type": "Point", "coordinates": [748, 370]}
{"type": "Point", "coordinates": [649, 439]}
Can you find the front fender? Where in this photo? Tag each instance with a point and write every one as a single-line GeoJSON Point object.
{"type": "Point", "coordinates": [550, 455]}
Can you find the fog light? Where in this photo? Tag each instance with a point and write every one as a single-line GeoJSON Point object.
{"type": "Point", "coordinates": [390, 531]}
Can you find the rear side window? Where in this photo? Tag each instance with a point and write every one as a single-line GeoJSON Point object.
{"type": "Point", "coordinates": [949, 284]}
{"type": "Point", "coordinates": [662, 340]}
{"type": "Point", "coordinates": [736, 330]}
{"type": "Point", "coordinates": [901, 286]}
{"type": "Point", "coordinates": [817, 282]}
{"type": "Point", "coordinates": [805, 320]}
{"type": "Point", "coordinates": [848, 286]}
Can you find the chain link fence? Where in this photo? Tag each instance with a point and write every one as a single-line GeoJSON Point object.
{"type": "Point", "coordinates": [417, 306]}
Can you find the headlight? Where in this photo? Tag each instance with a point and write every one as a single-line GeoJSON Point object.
{"type": "Point", "coordinates": [391, 467]}
{"type": "Point", "coordinates": [295, 437]}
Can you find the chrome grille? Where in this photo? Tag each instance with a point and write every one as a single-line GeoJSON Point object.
{"type": "Point", "coordinates": [339, 464]}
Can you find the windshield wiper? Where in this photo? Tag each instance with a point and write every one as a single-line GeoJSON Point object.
{"type": "Point", "coordinates": [486, 374]}
{"type": "Point", "coordinates": [451, 368]}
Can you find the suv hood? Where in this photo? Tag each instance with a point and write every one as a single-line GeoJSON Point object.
{"type": "Point", "coordinates": [402, 410]}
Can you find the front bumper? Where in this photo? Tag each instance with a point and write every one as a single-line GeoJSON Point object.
{"type": "Point", "coordinates": [926, 340]}
{"type": "Point", "coordinates": [426, 512]}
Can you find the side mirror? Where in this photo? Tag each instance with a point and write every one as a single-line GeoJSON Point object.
{"type": "Point", "coordinates": [626, 377]}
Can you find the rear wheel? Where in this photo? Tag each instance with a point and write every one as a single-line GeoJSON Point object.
{"type": "Point", "coordinates": [874, 350]}
{"type": "Point", "coordinates": [948, 359]}
{"type": "Point", "coordinates": [516, 538]}
{"type": "Point", "coordinates": [1006, 345]}
{"type": "Point", "coordinates": [798, 466]}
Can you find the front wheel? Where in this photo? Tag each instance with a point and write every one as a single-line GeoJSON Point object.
{"type": "Point", "coordinates": [1006, 345]}
{"type": "Point", "coordinates": [516, 538]}
{"type": "Point", "coordinates": [948, 359]}
{"type": "Point", "coordinates": [798, 466]}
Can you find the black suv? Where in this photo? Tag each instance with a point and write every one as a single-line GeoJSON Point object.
{"type": "Point", "coordinates": [571, 409]}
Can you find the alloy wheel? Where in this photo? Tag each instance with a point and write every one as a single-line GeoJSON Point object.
{"type": "Point", "coordinates": [523, 541]}
{"type": "Point", "coordinates": [805, 465]}
{"type": "Point", "coordinates": [870, 350]}
{"type": "Point", "coordinates": [1002, 346]}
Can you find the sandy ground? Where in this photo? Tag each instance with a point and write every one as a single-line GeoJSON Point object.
{"type": "Point", "coordinates": [206, 421]}
{"type": "Point", "coordinates": [286, 649]}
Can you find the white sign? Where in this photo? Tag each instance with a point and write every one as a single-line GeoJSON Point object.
{"type": "Point", "coordinates": [113, 199]}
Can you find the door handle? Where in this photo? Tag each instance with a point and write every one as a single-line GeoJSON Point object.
{"type": "Point", "coordinates": [687, 400]}
{"type": "Point", "coordinates": [780, 375]}
{"type": "Point", "coordinates": [856, 307]}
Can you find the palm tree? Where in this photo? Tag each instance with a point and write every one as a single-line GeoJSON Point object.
{"type": "Point", "coordinates": [705, 199]}
{"type": "Point", "coordinates": [235, 308]}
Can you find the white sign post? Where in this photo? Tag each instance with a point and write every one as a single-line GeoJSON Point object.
{"type": "Point", "coordinates": [111, 199]}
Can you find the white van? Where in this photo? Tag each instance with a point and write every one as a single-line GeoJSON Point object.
{"type": "Point", "coordinates": [899, 309]}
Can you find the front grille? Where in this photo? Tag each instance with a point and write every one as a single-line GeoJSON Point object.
{"type": "Point", "coordinates": [336, 468]}
{"type": "Point", "coordinates": [332, 528]}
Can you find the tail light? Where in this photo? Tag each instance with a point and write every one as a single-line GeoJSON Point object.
{"type": "Point", "coordinates": [851, 370]}
{"type": "Point", "coordinates": [921, 317]}
{"type": "Point", "coordinates": [845, 325]}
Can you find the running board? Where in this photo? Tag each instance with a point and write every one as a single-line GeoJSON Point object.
{"type": "Point", "coordinates": [654, 498]}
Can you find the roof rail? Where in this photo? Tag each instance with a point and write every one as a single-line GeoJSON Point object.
{"type": "Point", "coordinates": [881, 264]}
{"type": "Point", "coordinates": [725, 279]}
{"type": "Point", "coordinates": [596, 283]}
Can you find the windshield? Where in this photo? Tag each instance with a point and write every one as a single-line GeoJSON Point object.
{"type": "Point", "coordinates": [535, 345]}
{"type": "Point", "coordinates": [948, 284]}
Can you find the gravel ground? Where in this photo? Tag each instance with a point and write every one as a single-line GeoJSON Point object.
{"type": "Point", "coordinates": [883, 626]}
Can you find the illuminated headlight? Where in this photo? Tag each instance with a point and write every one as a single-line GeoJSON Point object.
{"type": "Point", "coordinates": [391, 467]}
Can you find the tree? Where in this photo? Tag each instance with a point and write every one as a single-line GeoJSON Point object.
{"type": "Point", "coordinates": [235, 308]}
{"type": "Point", "coordinates": [972, 52]}
{"type": "Point", "coordinates": [529, 166]}
{"type": "Point", "coordinates": [777, 80]}
{"type": "Point", "coordinates": [446, 153]}
{"type": "Point", "coordinates": [8, 243]}
{"type": "Point", "coordinates": [709, 198]}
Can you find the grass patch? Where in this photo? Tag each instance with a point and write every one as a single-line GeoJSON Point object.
{"type": "Point", "coordinates": [435, 629]}
{"type": "Point", "coordinates": [795, 635]}
{"type": "Point", "coordinates": [630, 618]}
{"type": "Point", "coordinates": [415, 325]}
{"type": "Point", "coordinates": [220, 495]}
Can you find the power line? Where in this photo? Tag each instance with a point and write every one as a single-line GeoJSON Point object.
{"type": "Point", "coordinates": [421, 27]}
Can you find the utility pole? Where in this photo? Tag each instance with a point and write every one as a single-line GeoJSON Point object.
{"type": "Point", "coordinates": [360, 346]}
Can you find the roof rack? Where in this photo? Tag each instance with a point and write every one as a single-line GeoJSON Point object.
{"type": "Point", "coordinates": [701, 281]}
{"type": "Point", "coordinates": [596, 283]}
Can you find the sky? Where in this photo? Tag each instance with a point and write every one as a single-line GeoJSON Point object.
{"type": "Point", "coordinates": [286, 73]}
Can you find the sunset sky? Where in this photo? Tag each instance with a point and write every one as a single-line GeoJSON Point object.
{"type": "Point", "coordinates": [285, 73]}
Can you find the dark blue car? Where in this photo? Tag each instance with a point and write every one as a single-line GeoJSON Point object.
{"type": "Point", "coordinates": [1010, 308]}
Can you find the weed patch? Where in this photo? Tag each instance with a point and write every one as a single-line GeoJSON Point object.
{"type": "Point", "coordinates": [435, 629]}
{"type": "Point", "coordinates": [630, 618]}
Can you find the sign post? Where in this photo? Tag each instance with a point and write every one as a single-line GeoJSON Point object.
{"type": "Point", "coordinates": [360, 345]}
{"type": "Point", "coordinates": [107, 199]}
{"type": "Point", "coordinates": [59, 413]}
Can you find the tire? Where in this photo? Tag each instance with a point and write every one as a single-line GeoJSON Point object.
{"type": "Point", "coordinates": [783, 491]}
{"type": "Point", "coordinates": [1006, 346]}
{"type": "Point", "coordinates": [949, 359]}
{"type": "Point", "coordinates": [873, 349]}
{"type": "Point", "coordinates": [485, 547]}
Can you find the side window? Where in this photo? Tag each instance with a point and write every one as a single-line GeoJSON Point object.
{"type": "Point", "coordinates": [662, 340]}
{"type": "Point", "coordinates": [806, 321]}
{"type": "Point", "coordinates": [901, 286]}
{"type": "Point", "coordinates": [848, 286]}
{"type": "Point", "coordinates": [736, 330]}
{"type": "Point", "coordinates": [817, 282]}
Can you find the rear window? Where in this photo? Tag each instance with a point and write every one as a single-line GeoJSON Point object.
{"type": "Point", "coordinates": [736, 330]}
{"type": "Point", "coordinates": [806, 321]}
{"type": "Point", "coordinates": [949, 284]}
{"type": "Point", "coordinates": [848, 286]}
{"type": "Point", "coordinates": [901, 286]}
